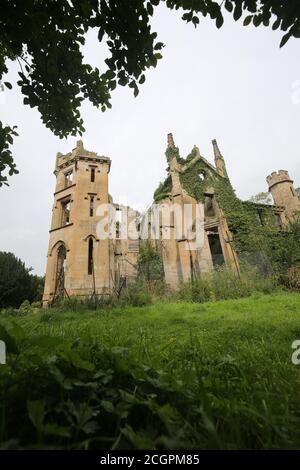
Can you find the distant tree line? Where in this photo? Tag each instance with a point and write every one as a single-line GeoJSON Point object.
{"type": "Point", "coordinates": [17, 283]}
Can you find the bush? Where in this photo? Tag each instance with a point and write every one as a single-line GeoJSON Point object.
{"type": "Point", "coordinates": [16, 282]}
{"type": "Point", "coordinates": [25, 308]}
{"type": "Point", "coordinates": [294, 277]}
{"type": "Point", "coordinates": [137, 294]}
{"type": "Point", "coordinates": [9, 312]}
{"type": "Point", "coordinates": [149, 263]}
{"type": "Point", "coordinates": [224, 283]}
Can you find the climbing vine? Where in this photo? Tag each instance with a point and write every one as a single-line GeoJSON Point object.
{"type": "Point", "coordinates": [172, 152]}
{"type": "Point", "coordinates": [256, 234]}
{"type": "Point", "coordinates": [163, 190]}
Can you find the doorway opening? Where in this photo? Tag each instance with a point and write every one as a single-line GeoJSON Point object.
{"type": "Point", "coordinates": [60, 271]}
{"type": "Point", "coordinates": [215, 248]}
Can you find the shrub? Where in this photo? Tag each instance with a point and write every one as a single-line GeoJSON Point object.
{"type": "Point", "coordinates": [294, 277]}
{"type": "Point", "coordinates": [137, 294]}
{"type": "Point", "coordinates": [25, 308]}
{"type": "Point", "coordinates": [9, 312]}
{"type": "Point", "coordinates": [149, 263]}
{"type": "Point", "coordinates": [16, 282]}
{"type": "Point", "coordinates": [224, 283]}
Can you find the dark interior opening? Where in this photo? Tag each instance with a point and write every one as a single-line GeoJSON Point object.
{"type": "Point", "coordinates": [92, 175]}
{"type": "Point", "coordinates": [209, 210]}
{"type": "Point", "coordinates": [90, 257]}
{"type": "Point", "coordinates": [215, 249]}
{"type": "Point", "coordinates": [260, 217]}
{"type": "Point", "coordinates": [60, 269]}
{"type": "Point", "coordinates": [91, 206]}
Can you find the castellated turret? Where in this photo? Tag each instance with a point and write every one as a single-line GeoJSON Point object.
{"type": "Point", "coordinates": [283, 192]}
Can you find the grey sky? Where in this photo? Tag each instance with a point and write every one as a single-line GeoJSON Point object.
{"type": "Point", "coordinates": [233, 84]}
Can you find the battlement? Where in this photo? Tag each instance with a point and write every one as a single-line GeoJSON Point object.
{"type": "Point", "coordinates": [281, 176]}
{"type": "Point", "coordinates": [79, 152]}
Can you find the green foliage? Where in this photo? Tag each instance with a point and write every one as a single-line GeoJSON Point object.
{"type": "Point", "coordinates": [278, 13]}
{"type": "Point", "coordinates": [256, 234]}
{"type": "Point", "coordinates": [257, 238]}
{"type": "Point", "coordinates": [284, 247]}
{"type": "Point", "coordinates": [149, 262]}
{"type": "Point", "coordinates": [190, 178]}
{"type": "Point", "coordinates": [47, 42]}
{"type": "Point", "coordinates": [165, 376]}
{"type": "Point", "coordinates": [224, 283]}
{"type": "Point", "coordinates": [6, 159]}
{"type": "Point", "coordinates": [172, 152]}
{"type": "Point", "coordinates": [25, 308]}
{"type": "Point", "coordinates": [136, 294]}
{"type": "Point", "coordinates": [16, 282]}
{"type": "Point", "coordinates": [163, 190]}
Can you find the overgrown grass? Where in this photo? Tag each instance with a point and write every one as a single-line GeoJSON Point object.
{"type": "Point", "coordinates": [165, 375]}
{"type": "Point", "coordinates": [224, 283]}
{"type": "Point", "coordinates": [220, 284]}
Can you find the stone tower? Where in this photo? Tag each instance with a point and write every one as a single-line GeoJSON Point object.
{"type": "Point", "coordinates": [78, 263]}
{"type": "Point", "coordinates": [283, 192]}
{"type": "Point", "coordinates": [219, 160]}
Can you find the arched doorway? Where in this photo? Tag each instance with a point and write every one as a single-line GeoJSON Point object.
{"type": "Point", "coordinates": [60, 271]}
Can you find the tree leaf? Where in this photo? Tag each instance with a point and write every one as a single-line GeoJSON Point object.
{"type": "Point", "coordinates": [247, 20]}
{"type": "Point", "coordinates": [285, 39]}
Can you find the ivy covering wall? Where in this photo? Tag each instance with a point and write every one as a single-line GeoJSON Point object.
{"type": "Point", "coordinates": [257, 236]}
{"type": "Point", "coordinates": [163, 190]}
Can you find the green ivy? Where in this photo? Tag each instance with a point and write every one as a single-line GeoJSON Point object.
{"type": "Point", "coordinates": [172, 152]}
{"type": "Point", "coordinates": [253, 226]}
{"type": "Point", "coordinates": [163, 190]}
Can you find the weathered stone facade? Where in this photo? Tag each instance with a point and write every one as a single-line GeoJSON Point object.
{"type": "Point", "coordinates": [83, 264]}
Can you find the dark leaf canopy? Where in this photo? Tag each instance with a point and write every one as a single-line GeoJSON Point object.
{"type": "Point", "coordinates": [46, 38]}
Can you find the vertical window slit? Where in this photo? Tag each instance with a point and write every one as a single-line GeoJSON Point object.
{"type": "Point", "coordinates": [91, 206]}
{"type": "Point", "coordinates": [92, 175]}
{"type": "Point", "coordinates": [90, 256]}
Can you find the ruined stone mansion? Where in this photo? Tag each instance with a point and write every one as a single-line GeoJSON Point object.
{"type": "Point", "coordinates": [80, 263]}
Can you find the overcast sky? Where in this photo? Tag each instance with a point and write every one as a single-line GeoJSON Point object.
{"type": "Point", "coordinates": [233, 84]}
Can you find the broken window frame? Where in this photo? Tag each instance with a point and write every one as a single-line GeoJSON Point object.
{"type": "Point", "coordinates": [69, 178]}
{"type": "Point", "coordinates": [119, 218]}
{"type": "Point", "coordinates": [201, 175]}
{"type": "Point", "coordinates": [65, 211]}
{"type": "Point", "coordinates": [209, 207]}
